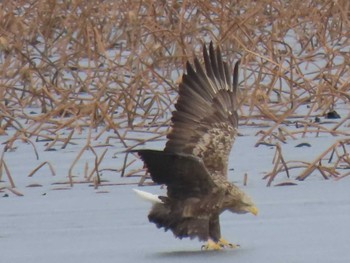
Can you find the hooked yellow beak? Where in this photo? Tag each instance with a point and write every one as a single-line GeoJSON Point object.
{"type": "Point", "coordinates": [254, 210]}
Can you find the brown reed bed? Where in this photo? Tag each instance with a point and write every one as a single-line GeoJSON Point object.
{"type": "Point", "coordinates": [74, 65]}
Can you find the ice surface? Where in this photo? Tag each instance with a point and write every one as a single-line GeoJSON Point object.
{"type": "Point", "coordinates": [304, 223]}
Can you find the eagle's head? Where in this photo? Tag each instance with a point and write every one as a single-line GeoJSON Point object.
{"type": "Point", "coordinates": [239, 202]}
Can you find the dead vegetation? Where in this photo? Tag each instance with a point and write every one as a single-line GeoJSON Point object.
{"type": "Point", "coordinates": [73, 65]}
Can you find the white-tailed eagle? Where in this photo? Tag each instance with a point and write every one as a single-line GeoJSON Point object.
{"type": "Point", "coordinates": [194, 163]}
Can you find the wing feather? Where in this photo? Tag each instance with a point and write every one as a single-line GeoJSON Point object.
{"type": "Point", "coordinates": [185, 175]}
{"type": "Point", "coordinates": [205, 120]}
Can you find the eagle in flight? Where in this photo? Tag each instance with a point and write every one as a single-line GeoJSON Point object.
{"type": "Point", "coordinates": [194, 163]}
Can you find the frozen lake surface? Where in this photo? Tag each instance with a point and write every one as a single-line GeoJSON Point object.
{"type": "Point", "coordinates": [308, 222]}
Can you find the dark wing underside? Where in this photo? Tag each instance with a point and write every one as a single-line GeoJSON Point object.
{"type": "Point", "coordinates": [205, 119]}
{"type": "Point", "coordinates": [185, 175]}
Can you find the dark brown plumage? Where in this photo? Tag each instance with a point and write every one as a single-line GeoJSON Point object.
{"type": "Point", "coordinates": [194, 162]}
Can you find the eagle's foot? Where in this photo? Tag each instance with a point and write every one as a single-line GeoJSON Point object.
{"type": "Point", "coordinates": [211, 245]}
{"type": "Point", "coordinates": [221, 244]}
{"type": "Point", "coordinates": [225, 244]}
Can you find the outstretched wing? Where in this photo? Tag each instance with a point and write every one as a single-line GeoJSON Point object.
{"type": "Point", "coordinates": [185, 175]}
{"type": "Point", "coordinates": [205, 120]}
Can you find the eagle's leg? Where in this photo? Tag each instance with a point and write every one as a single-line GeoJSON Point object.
{"type": "Point", "coordinates": [214, 234]}
{"type": "Point", "coordinates": [216, 242]}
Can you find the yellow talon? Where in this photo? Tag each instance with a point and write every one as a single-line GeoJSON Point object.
{"type": "Point", "coordinates": [222, 243]}
{"type": "Point", "coordinates": [211, 245]}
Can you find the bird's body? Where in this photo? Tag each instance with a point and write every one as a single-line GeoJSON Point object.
{"type": "Point", "coordinates": [194, 163]}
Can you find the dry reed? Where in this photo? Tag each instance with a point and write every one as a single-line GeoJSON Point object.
{"type": "Point", "coordinates": [74, 65]}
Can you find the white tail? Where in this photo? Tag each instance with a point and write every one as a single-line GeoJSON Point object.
{"type": "Point", "coordinates": [148, 196]}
